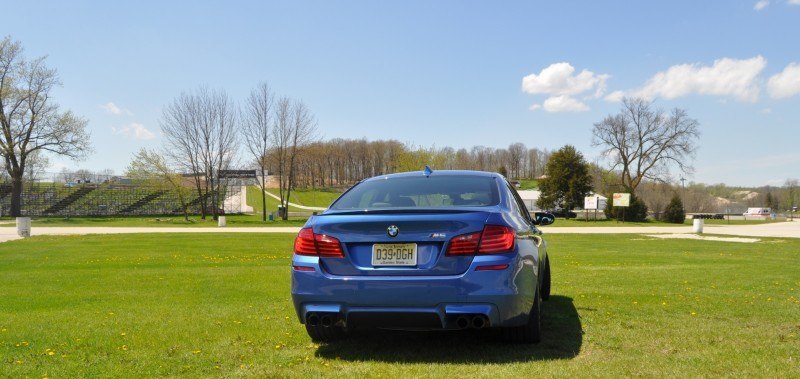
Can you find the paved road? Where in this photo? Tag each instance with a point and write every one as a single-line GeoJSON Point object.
{"type": "Point", "coordinates": [782, 229]}
{"type": "Point", "coordinates": [778, 229]}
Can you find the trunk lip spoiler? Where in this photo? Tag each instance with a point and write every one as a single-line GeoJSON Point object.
{"type": "Point", "coordinates": [414, 210]}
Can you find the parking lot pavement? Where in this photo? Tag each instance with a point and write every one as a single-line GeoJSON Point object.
{"type": "Point", "coordinates": [779, 229]}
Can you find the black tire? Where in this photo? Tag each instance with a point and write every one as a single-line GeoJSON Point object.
{"type": "Point", "coordinates": [546, 280]}
{"type": "Point", "coordinates": [320, 333]}
{"type": "Point", "coordinates": [530, 332]}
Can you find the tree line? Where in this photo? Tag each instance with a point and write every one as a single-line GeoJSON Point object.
{"type": "Point", "coordinates": [343, 162]}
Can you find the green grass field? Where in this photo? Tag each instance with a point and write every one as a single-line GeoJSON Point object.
{"type": "Point", "coordinates": [218, 305]}
{"type": "Point", "coordinates": [310, 198]}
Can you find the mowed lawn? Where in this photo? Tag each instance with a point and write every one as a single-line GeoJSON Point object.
{"type": "Point", "coordinates": [218, 305]}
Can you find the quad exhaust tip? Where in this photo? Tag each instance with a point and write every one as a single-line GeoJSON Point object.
{"type": "Point", "coordinates": [324, 319]}
{"type": "Point", "coordinates": [478, 322]}
{"type": "Point", "coordinates": [312, 319]}
{"type": "Point", "coordinates": [472, 321]}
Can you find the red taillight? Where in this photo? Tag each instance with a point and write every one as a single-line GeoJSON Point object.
{"type": "Point", "coordinates": [496, 239]}
{"type": "Point", "coordinates": [493, 239]}
{"type": "Point", "coordinates": [304, 243]}
{"type": "Point", "coordinates": [465, 244]}
{"type": "Point", "coordinates": [308, 243]}
{"type": "Point", "coordinates": [328, 246]}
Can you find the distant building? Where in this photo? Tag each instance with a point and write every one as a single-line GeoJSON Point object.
{"type": "Point", "coordinates": [529, 197]}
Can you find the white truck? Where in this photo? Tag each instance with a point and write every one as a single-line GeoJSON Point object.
{"type": "Point", "coordinates": [758, 212]}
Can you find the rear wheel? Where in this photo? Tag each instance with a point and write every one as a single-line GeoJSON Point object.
{"type": "Point", "coordinates": [321, 333]}
{"type": "Point", "coordinates": [546, 280]}
{"type": "Point", "coordinates": [530, 332]}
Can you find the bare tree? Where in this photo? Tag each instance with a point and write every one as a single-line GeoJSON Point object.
{"type": "Point", "coordinates": [36, 166]}
{"type": "Point", "coordinates": [304, 128]}
{"type": "Point", "coordinates": [517, 158]}
{"type": "Point", "coordinates": [281, 142]}
{"type": "Point", "coordinates": [29, 120]}
{"type": "Point", "coordinates": [200, 136]}
{"type": "Point", "coordinates": [643, 143]}
{"type": "Point", "coordinates": [256, 132]}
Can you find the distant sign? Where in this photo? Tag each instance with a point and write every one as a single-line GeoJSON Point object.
{"type": "Point", "coordinates": [594, 202]}
{"type": "Point", "coordinates": [622, 199]}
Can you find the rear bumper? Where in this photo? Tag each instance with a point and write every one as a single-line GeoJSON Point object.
{"type": "Point", "coordinates": [504, 297]}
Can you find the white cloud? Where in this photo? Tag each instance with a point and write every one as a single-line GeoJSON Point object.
{"type": "Point", "coordinates": [726, 77]}
{"type": "Point", "coordinates": [134, 130]}
{"type": "Point", "coordinates": [115, 110]}
{"type": "Point", "coordinates": [535, 107]}
{"type": "Point", "coordinates": [563, 103]}
{"type": "Point", "coordinates": [794, 2]}
{"type": "Point", "coordinates": [786, 83]}
{"type": "Point", "coordinates": [614, 97]}
{"type": "Point", "coordinates": [761, 4]}
{"type": "Point", "coordinates": [558, 79]}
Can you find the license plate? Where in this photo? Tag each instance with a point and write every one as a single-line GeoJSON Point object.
{"type": "Point", "coordinates": [394, 254]}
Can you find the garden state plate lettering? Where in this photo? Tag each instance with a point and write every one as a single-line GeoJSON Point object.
{"type": "Point", "coordinates": [394, 254]}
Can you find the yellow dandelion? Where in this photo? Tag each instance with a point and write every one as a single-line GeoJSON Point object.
{"type": "Point", "coordinates": [196, 352]}
{"type": "Point", "coordinates": [51, 353]}
{"type": "Point", "coordinates": [123, 334]}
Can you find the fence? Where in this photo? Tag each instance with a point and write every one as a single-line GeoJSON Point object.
{"type": "Point", "coordinates": [111, 199]}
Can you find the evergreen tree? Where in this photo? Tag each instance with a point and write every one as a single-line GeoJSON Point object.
{"type": "Point", "coordinates": [674, 212]}
{"type": "Point", "coordinates": [567, 180]}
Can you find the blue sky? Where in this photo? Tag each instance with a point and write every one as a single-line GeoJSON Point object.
{"type": "Point", "coordinates": [448, 73]}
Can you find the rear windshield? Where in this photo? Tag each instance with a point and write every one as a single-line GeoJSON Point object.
{"type": "Point", "coordinates": [421, 191]}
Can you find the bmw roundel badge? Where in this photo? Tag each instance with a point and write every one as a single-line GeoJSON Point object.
{"type": "Point", "coordinates": [392, 230]}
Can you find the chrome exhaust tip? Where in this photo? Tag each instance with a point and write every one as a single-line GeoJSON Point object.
{"type": "Point", "coordinates": [480, 321]}
{"type": "Point", "coordinates": [312, 319]}
{"type": "Point", "coordinates": [462, 322]}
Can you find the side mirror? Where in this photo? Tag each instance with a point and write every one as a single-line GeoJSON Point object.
{"type": "Point", "coordinates": [543, 218]}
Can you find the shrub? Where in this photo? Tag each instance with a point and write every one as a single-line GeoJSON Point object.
{"type": "Point", "coordinates": [674, 212]}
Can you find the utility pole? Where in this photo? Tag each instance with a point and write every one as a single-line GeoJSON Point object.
{"type": "Point", "coordinates": [683, 193]}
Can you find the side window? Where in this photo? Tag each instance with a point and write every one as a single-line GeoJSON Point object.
{"type": "Point", "coordinates": [523, 210]}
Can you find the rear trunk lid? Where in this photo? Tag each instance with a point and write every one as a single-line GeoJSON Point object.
{"type": "Point", "coordinates": [429, 230]}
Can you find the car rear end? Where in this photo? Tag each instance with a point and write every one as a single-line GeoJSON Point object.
{"type": "Point", "coordinates": [415, 251]}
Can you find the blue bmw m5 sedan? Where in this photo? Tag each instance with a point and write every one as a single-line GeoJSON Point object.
{"type": "Point", "coordinates": [423, 250]}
